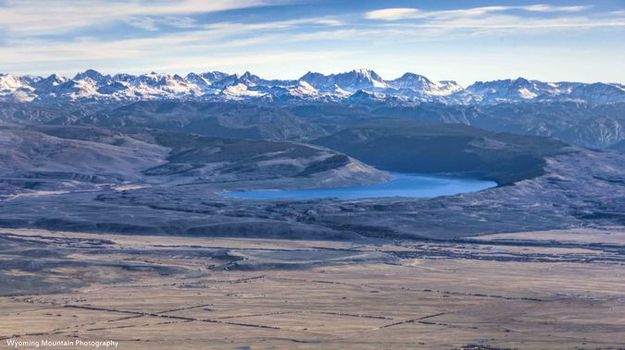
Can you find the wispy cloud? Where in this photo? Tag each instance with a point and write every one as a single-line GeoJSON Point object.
{"type": "Point", "coordinates": [549, 8]}
{"type": "Point", "coordinates": [329, 22]}
{"type": "Point", "coordinates": [155, 23]}
{"type": "Point", "coordinates": [396, 14]}
{"type": "Point", "coordinates": [488, 20]}
{"type": "Point", "coordinates": [44, 16]}
{"type": "Point", "coordinates": [211, 43]}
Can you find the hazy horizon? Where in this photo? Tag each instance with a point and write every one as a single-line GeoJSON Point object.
{"type": "Point", "coordinates": [71, 74]}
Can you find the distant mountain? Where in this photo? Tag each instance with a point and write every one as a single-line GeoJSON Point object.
{"type": "Point", "coordinates": [350, 87]}
{"type": "Point", "coordinates": [360, 79]}
{"type": "Point", "coordinates": [523, 90]}
{"type": "Point", "coordinates": [94, 75]}
{"type": "Point", "coordinates": [14, 88]}
{"type": "Point", "coordinates": [420, 85]}
{"type": "Point", "coordinates": [599, 93]}
{"type": "Point", "coordinates": [10, 83]}
{"type": "Point", "coordinates": [511, 90]}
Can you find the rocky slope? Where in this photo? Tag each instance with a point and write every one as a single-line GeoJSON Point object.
{"type": "Point", "coordinates": [49, 160]}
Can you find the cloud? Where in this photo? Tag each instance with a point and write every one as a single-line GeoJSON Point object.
{"type": "Point", "coordinates": [329, 22]}
{"type": "Point", "coordinates": [145, 23]}
{"type": "Point", "coordinates": [35, 17]}
{"type": "Point", "coordinates": [393, 14]}
{"type": "Point", "coordinates": [230, 37]}
{"type": "Point", "coordinates": [548, 8]}
{"type": "Point", "coordinates": [209, 40]}
{"type": "Point", "coordinates": [155, 23]}
{"type": "Point", "coordinates": [488, 20]}
{"type": "Point", "coordinates": [523, 25]}
{"type": "Point", "coordinates": [396, 14]}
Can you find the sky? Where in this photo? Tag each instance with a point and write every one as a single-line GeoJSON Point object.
{"type": "Point", "coordinates": [462, 40]}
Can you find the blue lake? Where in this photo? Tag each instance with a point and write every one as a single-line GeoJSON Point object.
{"type": "Point", "coordinates": [400, 185]}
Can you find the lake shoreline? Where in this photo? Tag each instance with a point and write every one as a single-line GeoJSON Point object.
{"type": "Point", "coordinates": [401, 185]}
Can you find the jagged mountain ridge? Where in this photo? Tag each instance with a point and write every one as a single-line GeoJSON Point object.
{"type": "Point", "coordinates": [356, 86]}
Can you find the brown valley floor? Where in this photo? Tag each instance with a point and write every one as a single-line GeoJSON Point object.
{"type": "Point", "coordinates": [160, 292]}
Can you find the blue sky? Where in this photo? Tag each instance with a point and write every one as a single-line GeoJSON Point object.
{"type": "Point", "coordinates": [461, 40]}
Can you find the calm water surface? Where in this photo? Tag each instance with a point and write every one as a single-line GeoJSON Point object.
{"type": "Point", "coordinates": [400, 185]}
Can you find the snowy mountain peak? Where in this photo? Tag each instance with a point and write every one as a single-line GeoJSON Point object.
{"type": "Point", "coordinates": [198, 80]}
{"type": "Point", "coordinates": [410, 81]}
{"type": "Point", "coordinates": [249, 79]}
{"type": "Point", "coordinates": [362, 78]}
{"type": "Point", "coordinates": [90, 74]}
{"type": "Point", "coordinates": [10, 82]}
{"type": "Point", "coordinates": [413, 77]}
{"type": "Point", "coordinates": [240, 91]}
{"type": "Point", "coordinates": [54, 79]}
{"type": "Point", "coordinates": [368, 74]}
{"type": "Point", "coordinates": [355, 85]}
{"type": "Point", "coordinates": [366, 96]}
{"type": "Point", "coordinates": [248, 75]}
{"type": "Point", "coordinates": [303, 89]}
{"type": "Point", "coordinates": [47, 86]}
{"type": "Point", "coordinates": [357, 79]}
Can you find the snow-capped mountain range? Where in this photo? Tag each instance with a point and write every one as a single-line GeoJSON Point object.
{"type": "Point", "coordinates": [356, 86]}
